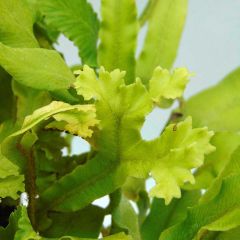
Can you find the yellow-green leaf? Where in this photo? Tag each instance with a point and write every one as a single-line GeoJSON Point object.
{"type": "Point", "coordinates": [218, 106]}
{"type": "Point", "coordinates": [36, 67]}
{"type": "Point", "coordinates": [16, 24]}
{"type": "Point", "coordinates": [164, 86]}
{"type": "Point", "coordinates": [165, 25]}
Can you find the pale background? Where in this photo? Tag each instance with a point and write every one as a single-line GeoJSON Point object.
{"type": "Point", "coordinates": [210, 47]}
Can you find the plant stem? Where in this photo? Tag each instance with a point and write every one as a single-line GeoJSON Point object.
{"type": "Point", "coordinates": [30, 183]}
{"type": "Point", "coordinates": [31, 188]}
{"type": "Point", "coordinates": [176, 115]}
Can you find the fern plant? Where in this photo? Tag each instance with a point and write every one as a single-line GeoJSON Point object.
{"type": "Point", "coordinates": [105, 100]}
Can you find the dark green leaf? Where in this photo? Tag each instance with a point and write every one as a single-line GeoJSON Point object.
{"type": "Point", "coordinates": [77, 21]}
{"type": "Point", "coordinates": [6, 96]}
{"type": "Point", "coordinates": [218, 210]}
{"type": "Point", "coordinates": [226, 200]}
{"type": "Point", "coordinates": [84, 184]}
{"type": "Point", "coordinates": [84, 223]}
{"type": "Point", "coordinates": [162, 217]}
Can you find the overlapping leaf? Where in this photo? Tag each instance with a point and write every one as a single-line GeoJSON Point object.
{"type": "Point", "coordinates": [231, 234]}
{"type": "Point", "coordinates": [6, 96]}
{"type": "Point", "coordinates": [28, 100]}
{"type": "Point", "coordinates": [77, 21]}
{"type": "Point", "coordinates": [132, 188]}
{"type": "Point", "coordinates": [225, 143]}
{"type": "Point", "coordinates": [125, 217]}
{"type": "Point", "coordinates": [37, 68]}
{"type": "Point", "coordinates": [122, 152]}
{"type": "Point", "coordinates": [85, 223]}
{"type": "Point", "coordinates": [162, 217]}
{"type": "Point", "coordinates": [75, 123]}
{"type": "Point", "coordinates": [54, 109]}
{"type": "Point", "coordinates": [11, 181]}
{"type": "Point", "coordinates": [118, 36]}
{"type": "Point", "coordinates": [16, 30]}
{"type": "Point", "coordinates": [81, 125]}
{"type": "Point", "coordinates": [204, 214]}
{"type": "Point", "coordinates": [218, 210]}
{"type": "Point", "coordinates": [11, 186]}
{"type": "Point", "coordinates": [231, 168]}
{"type": "Point", "coordinates": [178, 150]}
{"type": "Point", "coordinates": [165, 25]}
{"type": "Point", "coordinates": [229, 221]}
{"type": "Point", "coordinates": [20, 228]}
{"type": "Point", "coordinates": [121, 112]}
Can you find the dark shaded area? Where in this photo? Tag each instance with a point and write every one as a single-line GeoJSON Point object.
{"type": "Point", "coordinates": [5, 212]}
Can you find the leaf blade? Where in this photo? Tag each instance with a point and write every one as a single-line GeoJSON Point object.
{"type": "Point", "coordinates": [85, 223]}
{"type": "Point", "coordinates": [214, 207]}
{"type": "Point", "coordinates": [125, 217]}
{"type": "Point", "coordinates": [121, 151]}
{"type": "Point", "coordinates": [162, 217]}
{"type": "Point", "coordinates": [16, 23]}
{"type": "Point", "coordinates": [164, 31]}
{"type": "Point", "coordinates": [212, 106]}
{"type": "Point", "coordinates": [118, 35]}
{"type": "Point", "coordinates": [76, 20]}
{"type": "Point", "coordinates": [37, 68]}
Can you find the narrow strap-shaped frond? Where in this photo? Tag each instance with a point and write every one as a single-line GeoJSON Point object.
{"type": "Point", "coordinates": [165, 26]}
{"type": "Point", "coordinates": [118, 36]}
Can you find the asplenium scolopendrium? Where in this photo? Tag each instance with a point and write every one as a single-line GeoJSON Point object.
{"type": "Point", "coordinates": [108, 108]}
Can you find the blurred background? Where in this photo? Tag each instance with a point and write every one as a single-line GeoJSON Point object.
{"type": "Point", "coordinates": [209, 47]}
